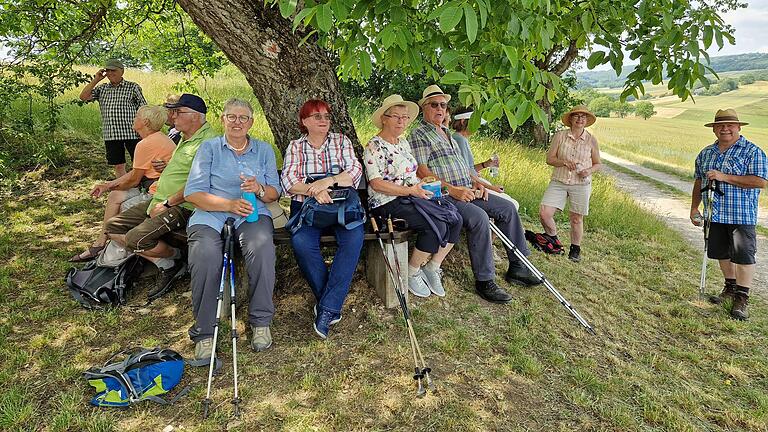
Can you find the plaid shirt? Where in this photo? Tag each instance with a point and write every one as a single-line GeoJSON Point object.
{"type": "Point", "coordinates": [737, 205]}
{"type": "Point", "coordinates": [118, 105]}
{"type": "Point", "coordinates": [334, 156]}
{"type": "Point", "coordinates": [443, 157]}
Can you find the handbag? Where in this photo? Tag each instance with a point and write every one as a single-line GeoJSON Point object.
{"type": "Point", "coordinates": [348, 213]}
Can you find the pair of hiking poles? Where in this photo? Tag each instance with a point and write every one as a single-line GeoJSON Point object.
{"type": "Point", "coordinates": [421, 370]}
{"type": "Point", "coordinates": [711, 189]}
{"type": "Point", "coordinates": [228, 268]}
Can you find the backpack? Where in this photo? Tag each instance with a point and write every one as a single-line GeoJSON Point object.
{"type": "Point", "coordinates": [545, 242]}
{"type": "Point", "coordinates": [107, 280]}
{"type": "Point", "coordinates": [142, 375]}
{"type": "Point", "coordinates": [348, 213]}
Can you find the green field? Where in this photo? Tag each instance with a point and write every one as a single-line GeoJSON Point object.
{"type": "Point", "coordinates": [661, 360]}
{"type": "Point", "coordinates": [670, 140]}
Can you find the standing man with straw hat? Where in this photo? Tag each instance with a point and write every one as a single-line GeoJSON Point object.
{"type": "Point", "coordinates": [740, 169]}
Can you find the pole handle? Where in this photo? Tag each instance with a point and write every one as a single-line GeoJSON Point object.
{"type": "Point", "coordinates": [374, 225]}
{"type": "Point", "coordinates": [389, 225]}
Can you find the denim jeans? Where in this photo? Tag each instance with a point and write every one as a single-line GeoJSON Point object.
{"type": "Point", "coordinates": [329, 287]}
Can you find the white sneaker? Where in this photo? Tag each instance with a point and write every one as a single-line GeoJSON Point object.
{"type": "Point", "coordinates": [434, 280]}
{"type": "Point", "coordinates": [417, 284]}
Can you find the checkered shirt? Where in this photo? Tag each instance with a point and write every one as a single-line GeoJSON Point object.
{"type": "Point", "coordinates": [334, 156]}
{"type": "Point", "coordinates": [443, 157]}
{"type": "Point", "coordinates": [118, 105]}
{"type": "Point", "coordinates": [737, 205]}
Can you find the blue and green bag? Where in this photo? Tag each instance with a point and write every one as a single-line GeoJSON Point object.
{"type": "Point", "coordinates": [142, 375]}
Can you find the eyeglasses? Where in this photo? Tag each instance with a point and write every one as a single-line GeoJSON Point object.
{"type": "Point", "coordinates": [232, 118]}
{"type": "Point", "coordinates": [318, 116]}
{"type": "Point", "coordinates": [185, 112]}
{"type": "Point", "coordinates": [436, 105]}
{"type": "Point", "coordinates": [399, 118]}
{"type": "Point", "coordinates": [579, 116]}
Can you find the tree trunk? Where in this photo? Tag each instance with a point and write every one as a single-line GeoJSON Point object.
{"type": "Point", "coordinates": [283, 75]}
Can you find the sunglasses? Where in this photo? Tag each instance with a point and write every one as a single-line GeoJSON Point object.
{"type": "Point", "coordinates": [436, 105]}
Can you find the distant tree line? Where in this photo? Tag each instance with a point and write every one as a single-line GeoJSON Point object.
{"type": "Point", "coordinates": [603, 105]}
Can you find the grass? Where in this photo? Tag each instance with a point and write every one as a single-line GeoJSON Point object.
{"type": "Point", "coordinates": [660, 361]}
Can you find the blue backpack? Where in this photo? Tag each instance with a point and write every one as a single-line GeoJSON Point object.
{"type": "Point", "coordinates": [348, 213]}
{"type": "Point", "coordinates": [142, 375]}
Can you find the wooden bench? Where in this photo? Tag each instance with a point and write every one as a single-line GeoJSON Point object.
{"type": "Point", "coordinates": [375, 269]}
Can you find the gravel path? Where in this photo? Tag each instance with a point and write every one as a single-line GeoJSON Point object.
{"type": "Point", "coordinates": [675, 211]}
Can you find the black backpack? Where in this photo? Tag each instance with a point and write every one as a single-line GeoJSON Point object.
{"type": "Point", "coordinates": [97, 287]}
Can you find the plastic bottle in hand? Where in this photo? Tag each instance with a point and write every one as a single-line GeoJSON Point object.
{"type": "Point", "coordinates": [494, 170]}
{"type": "Point", "coordinates": [249, 196]}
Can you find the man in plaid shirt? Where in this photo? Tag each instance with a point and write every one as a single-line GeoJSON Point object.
{"type": "Point", "coordinates": [739, 169]}
{"type": "Point", "coordinates": [438, 155]}
{"type": "Point", "coordinates": [118, 102]}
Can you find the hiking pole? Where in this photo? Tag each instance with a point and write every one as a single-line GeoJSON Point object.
{"type": "Point", "coordinates": [710, 189]}
{"type": "Point", "coordinates": [233, 302]}
{"type": "Point", "coordinates": [541, 277]}
{"type": "Point", "coordinates": [403, 307]}
{"type": "Point", "coordinates": [226, 234]}
{"type": "Point", "coordinates": [425, 370]}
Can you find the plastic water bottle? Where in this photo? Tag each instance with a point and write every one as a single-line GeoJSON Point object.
{"type": "Point", "coordinates": [494, 170]}
{"type": "Point", "coordinates": [250, 196]}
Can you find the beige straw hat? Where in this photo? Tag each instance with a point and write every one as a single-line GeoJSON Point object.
{"type": "Point", "coordinates": [431, 92]}
{"type": "Point", "coordinates": [389, 102]}
{"type": "Point", "coordinates": [726, 116]}
{"type": "Point", "coordinates": [566, 118]}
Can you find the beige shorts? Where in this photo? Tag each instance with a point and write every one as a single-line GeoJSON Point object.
{"type": "Point", "coordinates": [557, 194]}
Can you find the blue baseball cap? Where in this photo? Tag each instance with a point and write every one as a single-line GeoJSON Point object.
{"type": "Point", "coordinates": [190, 101]}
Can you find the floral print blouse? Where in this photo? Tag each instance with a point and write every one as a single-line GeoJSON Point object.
{"type": "Point", "coordinates": [392, 162]}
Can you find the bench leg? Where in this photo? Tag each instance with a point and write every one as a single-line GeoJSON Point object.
{"type": "Point", "coordinates": [377, 274]}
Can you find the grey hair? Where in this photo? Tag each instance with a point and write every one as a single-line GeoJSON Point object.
{"type": "Point", "coordinates": [395, 106]}
{"type": "Point", "coordinates": [237, 103]}
{"type": "Point", "coordinates": [155, 116]}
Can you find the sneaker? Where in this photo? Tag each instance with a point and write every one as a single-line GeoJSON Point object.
{"type": "Point", "coordinates": [434, 280]}
{"type": "Point", "coordinates": [739, 308]}
{"type": "Point", "coordinates": [336, 316]}
{"type": "Point", "coordinates": [729, 291]}
{"type": "Point", "coordinates": [323, 323]}
{"type": "Point", "coordinates": [519, 274]}
{"type": "Point", "coordinates": [204, 349]}
{"type": "Point", "coordinates": [165, 278]}
{"type": "Point", "coordinates": [491, 292]}
{"type": "Point", "coordinates": [417, 284]}
{"type": "Point", "coordinates": [261, 339]}
{"type": "Point", "coordinates": [575, 253]}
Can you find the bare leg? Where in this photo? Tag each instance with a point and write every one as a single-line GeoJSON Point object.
{"type": "Point", "coordinates": [440, 255]}
{"type": "Point", "coordinates": [119, 170]}
{"type": "Point", "coordinates": [418, 258]}
{"type": "Point", "coordinates": [547, 217]}
{"type": "Point", "coordinates": [745, 273]}
{"type": "Point", "coordinates": [729, 269]}
{"type": "Point", "coordinates": [577, 228]}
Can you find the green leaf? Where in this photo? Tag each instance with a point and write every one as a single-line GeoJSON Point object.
{"type": "Point", "coordinates": [449, 59]}
{"type": "Point", "coordinates": [474, 121]}
{"type": "Point", "coordinates": [454, 77]}
{"type": "Point", "coordinates": [514, 25]}
{"type": "Point", "coordinates": [495, 112]}
{"type": "Point", "coordinates": [511, 54]}
{"type": "Point", "coordinates": [483, 12]}
{"type": "Point", "coordinates": [470, 19]}
{"type": "Point", "coordinates": [340, 9]}
{"type": "Point", "coordinates": [719, 38]}
{"type": "Point", "coordinates": [304, 14]}
{"type": "Point", "coordinates": [324, 17]}
{"type": "Point", "coordinates": [366, 68]}
{"type": "Point", "coordinates": [707, 36]}
{"type": "Point", "coordinates": [523, 112]}
{"type": "Point", "coordinates": [287, 7]}
{"type": "Point", "coordinates": [595, 59]}
{"type": "Point", "coordinates": [450, 18]}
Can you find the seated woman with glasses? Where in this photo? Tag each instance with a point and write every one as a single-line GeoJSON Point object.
{"type": "Point", "coordinates": [321, 153]}
{"type": "Point", "coordinates": [223, 169]}
{"type": "Point", "coordinates": [394, 188]}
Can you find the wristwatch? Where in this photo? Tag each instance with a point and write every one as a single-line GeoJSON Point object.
{"type": "Point", "coordinates": [262, 192]}
{"type": "Point", "coordinates": [166, 204]}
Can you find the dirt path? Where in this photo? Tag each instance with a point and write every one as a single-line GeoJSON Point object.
{"type": "Point", "coordinates": [674, 210]}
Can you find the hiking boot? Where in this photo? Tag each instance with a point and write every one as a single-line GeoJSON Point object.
{"type": "Point", "coordinates": [204, 349]}
{"type": "Point", "coordinates": [165, 278]}
{"type": "Point", "coordinates": [575, 253]}
{"type": "Point", "coordinates": [261, 338]}
{"type": "Point", "coordinates": [417, 284]}
{"type": "Point", "coordinates": [336, 317]}
{"type": "Point", "coordinates": [740, 300]}
{"type": "Point", "coordinates": [729, 290]}
{"type": "Point", "coordinates": [519, 274]}
{"type": "Point", "coordinates": [434, 280]}
{"type": "Point", "coordinates": [491, 292]}
{"type": "Point", "coordinates": [323, 323]}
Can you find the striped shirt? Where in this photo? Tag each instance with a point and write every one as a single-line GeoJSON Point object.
{"type": "Point", "coordinates": [576, 150]}
{"type": "Point", "coordinates": [334, 156]}
{"type": "Point", "coordinates": [737, 205]}
{"type": "Point", "coordinates": [118, 105]}
{"type": "Point", "coordinates": [442, 156]}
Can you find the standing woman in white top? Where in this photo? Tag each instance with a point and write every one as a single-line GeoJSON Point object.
{"type": "Point", "coordinates": [575, 155]}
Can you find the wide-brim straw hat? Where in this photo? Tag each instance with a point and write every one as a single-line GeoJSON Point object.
{"type": "Point", "coordinates": [566, 118]}
{"type": "Point", "coordinates": [726, 116]}
{"type": "Point", "coordinates": [432, 91]}
{"type": "Point", "coordinates": [389, 102]}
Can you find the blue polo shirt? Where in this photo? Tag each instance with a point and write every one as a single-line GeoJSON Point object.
{"type": "Point", "coordinates": [737, 205]}
{"type": "Point", "coordinates": [216, 170]}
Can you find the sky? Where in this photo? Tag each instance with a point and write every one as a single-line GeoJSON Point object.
{"type": "Point", "coordinates": [751, 26]}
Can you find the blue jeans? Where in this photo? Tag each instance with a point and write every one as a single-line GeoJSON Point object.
{"type": "Point", "coordinates": [329, 287]}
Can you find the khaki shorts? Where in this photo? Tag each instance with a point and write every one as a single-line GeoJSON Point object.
{"type": "Point", "coordinates": [142, 232]}
{"type": "Point", "coordinates": [557, 194]}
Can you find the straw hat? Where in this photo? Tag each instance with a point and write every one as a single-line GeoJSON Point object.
{"type": "Point", "coordinates": [389, 102]}
{"type": "Point", "coordinates": [431, 92]}
{"type": "Point", "coordinates": [566, 118]}
{"type": "Point", "coordinates": [726, 116]}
